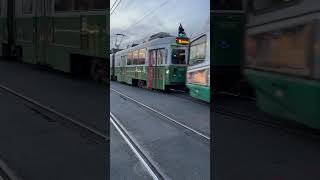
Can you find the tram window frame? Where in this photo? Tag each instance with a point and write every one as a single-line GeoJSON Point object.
{"type": "Point", "coordinates": [48, 7]}
{"type": "Point", "coordinates": [142, 60]}
{"type": "Point", "coordinates": [129, 59]}
{"type": "Point", "coordinates": [29, 11]}
{"type": "Point", "coordinates": [272, 8]}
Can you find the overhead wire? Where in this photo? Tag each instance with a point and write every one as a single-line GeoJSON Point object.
{"type": "Point", "coordinates": [115, 8]}
{"type": "Point", "coordinates": [145, 16]}
{"type": "Point", "coordinates": [113, 5]}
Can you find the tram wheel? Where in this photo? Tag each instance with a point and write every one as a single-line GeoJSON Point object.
{"type": "Point", "coordinates": [141, 84]}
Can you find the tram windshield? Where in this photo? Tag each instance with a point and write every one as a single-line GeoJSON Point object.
{"type": "Point", "coordinates": [178, 56]}
{"type": "Point", "coordinates": [198, 51]}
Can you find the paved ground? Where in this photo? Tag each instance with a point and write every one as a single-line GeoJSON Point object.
{"type": "Point", "coordinates": [124, 164]}
{"type": "Point", "coordinates": [193, 114]}
{"type": "Point", "coordinates": [245, 150]}
{"type": "Point", "coordinates": [81, 99]}
{"type": "Point", "coordinates": [179, 153]}
{"type": "Point", "coordinates": [38, 148]}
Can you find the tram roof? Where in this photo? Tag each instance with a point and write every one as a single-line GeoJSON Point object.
{"type": "Point", "coordinates": [165, 40]}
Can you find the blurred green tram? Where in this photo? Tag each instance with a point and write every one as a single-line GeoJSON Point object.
{"type": "Point", "coordinates": [158, 63]}
{"type": "Point", "coordinates": [283, 58]}
{"type": "Point", "coordinates": [66, 35]}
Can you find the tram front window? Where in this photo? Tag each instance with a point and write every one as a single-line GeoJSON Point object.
{"type": "Point", "coordinates": [197, 54]}
{"type": "Point", "coordinates": [178, 56]}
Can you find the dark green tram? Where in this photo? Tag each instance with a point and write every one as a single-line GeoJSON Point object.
{"type": "Point", "coordinates": [66, 35]}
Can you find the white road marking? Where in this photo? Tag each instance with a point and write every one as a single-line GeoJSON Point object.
{"type": "Point", "coordinates": [8, 171]}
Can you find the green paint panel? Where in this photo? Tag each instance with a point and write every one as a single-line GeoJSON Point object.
{"type": "Point", "coordinates": [160, 78]}
{"type": "Point", "coordinates": [228, 39]}
{"type": "Point", "coordinates": [177, 75]}
{"type": "Point", "coordinates": [199, 92]}
{"type": "Point", "coordinates": [287, 97]}
{"type": "Point", "coordinates": [55, 38]}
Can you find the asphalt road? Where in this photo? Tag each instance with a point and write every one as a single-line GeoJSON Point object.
{"type": "Point", "coordinates": [36, 147]}
{"type": "Point", "coordinates": [193, 114]}
{"type": "Point", "coordinates": [124, 164]}
{"type": "Point", "coordinates": [179, 153]}
{"type": "Point", "coordinates": [80, 99]}
{"type": "Point", "coordinates": [246, 150]}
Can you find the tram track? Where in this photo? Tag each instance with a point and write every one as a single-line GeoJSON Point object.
{"type": "Point", "coordinates": [151, 167]}
{"type": "Point", "coordinates": [7, 173]}
{"type": "Point", "coordinates": [161, 114]}
{"type": "Point", "coordinates": [54, 114]}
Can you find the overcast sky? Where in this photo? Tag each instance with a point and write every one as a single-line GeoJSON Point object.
{"type": "Point", "coordinates": [192, 14]}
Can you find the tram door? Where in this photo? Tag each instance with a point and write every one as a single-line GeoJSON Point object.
{"type": "Point", "coordinates": [41, 24]}
{"type": "Point", "coordinates": [151, 63]}
{"type": "Point", "coordinates": [160, 68]}
{"type": "Point", "coordinates": [155, 69]}
{"type": "Point", "coordinates": [123, 68]}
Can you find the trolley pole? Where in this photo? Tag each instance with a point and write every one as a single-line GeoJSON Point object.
{"type": "Point", "coordinates": [117, 43]}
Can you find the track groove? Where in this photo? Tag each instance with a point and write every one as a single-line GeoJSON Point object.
{"type": "Point", "coordinates": [162, 114]}
{"type": "Point", "coordinates": [51, 110]}
{"type": "Point", "coordinates": [147, 162]}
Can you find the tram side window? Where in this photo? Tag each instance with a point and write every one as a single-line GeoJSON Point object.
{"type": "Point", "coordinates": [284, 50]}
{"type": "Point", "coordinates": [178, 56]}
{"type": "Point", "coordinates": [123, 62]}
{"type": "Point", "coordinates": [63, 5]}
{"type": "Point", "coordinates": [160, 56]}
{"type": "Point", "coordinates": [152, 55]}
{"type": "Point", "coordinates": [129, 60]}
{"type": "Point", "coordinates": [27, 6]}
{"type": "Point", "coordinates": [142, 56]}
{"type": "Point", "coordinates": [135, 57]}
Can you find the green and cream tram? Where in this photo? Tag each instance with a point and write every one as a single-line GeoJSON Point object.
{"type": "Point", "coordinates": [283, 53]}
{"type": "Point", "coordinates": [66, 35]}
{"type": "Point", "coordinates": [158, 63]}
{"type": "Point", "coordinates": [198, 73]}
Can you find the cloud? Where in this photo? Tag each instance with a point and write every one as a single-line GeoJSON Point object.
{"type": "Point", "coordinates": [192, 14]}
